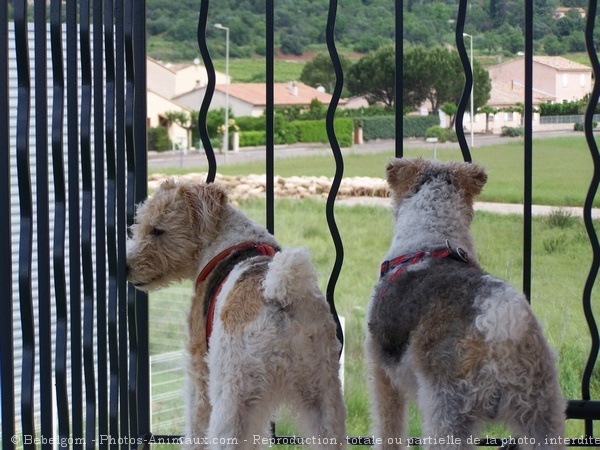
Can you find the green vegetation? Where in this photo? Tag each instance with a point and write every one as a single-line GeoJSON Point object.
{"type": "Point", "coordinates": [555, 161]}
{"type": "Point", "coordinates": [555, 299]}
{"type": "Point", "coordinates": [361, 26]}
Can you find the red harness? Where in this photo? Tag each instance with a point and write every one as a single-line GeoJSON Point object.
{"type": "Point", "coordinates": [400, 263]}
{"type": "Point", "coordinates": [263, 249]}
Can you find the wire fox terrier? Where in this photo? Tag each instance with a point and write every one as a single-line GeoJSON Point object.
{"type": "Point", "coordinates": [463, 342]}
{"type": "Point", "coordinates": [260, 330]}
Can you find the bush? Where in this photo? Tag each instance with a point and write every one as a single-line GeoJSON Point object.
{"type": "Point", "coordinates": [512, 131]}
{"type": "Point", "coordinates": [442, 134]}
{"type": "Point", "coordinates": [416, 126]}
{"type": "Point", "coordinates": [250, 123]}
{"type": "Point", "coordinates": [158, 139]}
{"type": "Point", "coordinates": [378, 127]}
{"type": "Point", "coordinates": [252, 138]}
{"type": "Point", "coordinates": [315, 131]}
{"type": "Point", "coordinates": [579, 126]}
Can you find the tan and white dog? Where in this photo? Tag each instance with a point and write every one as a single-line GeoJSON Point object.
{"type": "Point", "coordinates": [463, 343]}
{"type": "Point", "coordinates": [272, 336]}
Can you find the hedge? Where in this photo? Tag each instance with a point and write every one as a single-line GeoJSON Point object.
{"type": "Point", "coordinates": [252, 138]}
{"type": "Point", "coordinates": [384, 127]}
{"type": "Point", "coordinates": [315, 131]}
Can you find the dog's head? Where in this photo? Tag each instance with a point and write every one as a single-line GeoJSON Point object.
{"type": "Point", "coordinates": [406, 176]}
{"type": "Point", "coordinates": [171, 228]}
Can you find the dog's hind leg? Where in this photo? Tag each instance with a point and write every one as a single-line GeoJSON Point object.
{"type": "Point", "coordinates": [388, 404]}
{"type": "Point", "coordinates": [322, 412]}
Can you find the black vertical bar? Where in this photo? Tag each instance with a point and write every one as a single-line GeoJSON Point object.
{"type": "Point", "coordinates": [528, 149]}
{"type": "Point", "coordinates": [269, 114]}
{"type": "Point", "coordinates": [100, 217]}
{"type": "Point", "coordinates": [43, 224]}
{"type": "Point", "coordinates": [466, 93]}
{"type": "Point", "coordinates": [210, 90]}
{"type": "Point", "coordinates": [339, 166]}
{"type": "Point", "coordinates": [141, 191]}
{"type": "Point", "coordinates": [399, 79]}
{"type": "Point", "coordinates": [60, 206]}
{"type": "Point", "coordinates": [25, 221]}
{"type": "Point", "coordinates": [87, 264]}
{"type": "Point", "coordinates": [7, 382]}
{"type": "Point", "coordinates": [131, 312]}
{"type": "Point", "coordinates": [121, 151]}
{"type": "Point", "coordinates": [74, 225]}
{"type": "Point", "coordinates": [587, 212]}
{"type": "Point", "coordinates": [111, 223]}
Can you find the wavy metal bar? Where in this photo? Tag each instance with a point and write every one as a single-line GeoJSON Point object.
{"type": "Point", "coordinates": [87, 264]}
{"type": "Point", "coordinates": [399, 91]}
{"type": "Point", "coordinates": [25, 220]}
{"type": "Point", "coordinates": [74, 225]}
{"type": "Point", "coordinates": [43, 225]}
{"type": "Point", "coordinates": [100, 217]}
{"type": "Point", "coordinates": [111, 223]}
{"type": "Point", "coordinates": [121, 151]}
{"type": "Point", "coordinates": [339, 166]}
{"type": "Point", "coordinates": [7, 382]}
{"type": "Point", "coordinates": [466, 93]}
{"type": "Point", "coordinates": [130, 208]}
{"type": "Point", "coordinates": [60, 206]}
{"type": "Point", "coordinates": [528, 151]}
{"type": "Point", "coordinates": [142, 387]}
{"type": "Point", "coordinates": [210, 90]}
{"type": "Point", "coordinates": [270, 116]}
{"type": "Point", "coordinates": [587, 211]}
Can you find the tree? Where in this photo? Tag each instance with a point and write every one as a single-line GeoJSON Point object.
{"type": "Point", "coordinates": [186, 121]}
{"type": "Point", "coordinates": [374, 76]}
{"type": "Point", "coordinates": [450, 109]}
{"type": "Point", "coordinates": [488, 111]}
{"type": "Point", "coordinates": [319, 71]}
{"type": "Point", "coordinates": [441, 76]}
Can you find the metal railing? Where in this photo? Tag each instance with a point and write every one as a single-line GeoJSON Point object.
{"type": "Point", "coordinates": [73, 334]}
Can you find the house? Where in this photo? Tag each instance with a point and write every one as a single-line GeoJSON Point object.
{"type": "Point", "coordinates": [250, 99]}
{"type": "Point", "coordinates": [554, 77]}
{"type": "Point", "coordinates": [165, 82]}
{"type": "Point", "coordinates": [562, 11]}
{"type": "Point", "coordinates": [172, 80]}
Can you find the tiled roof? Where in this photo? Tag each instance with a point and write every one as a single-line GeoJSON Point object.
{"type": "Point", "coordinates": [255, 93]}
{"type": "Point", "coordinates": [560, 63]}
{"type": "Point", "coordinates": [508, 94]}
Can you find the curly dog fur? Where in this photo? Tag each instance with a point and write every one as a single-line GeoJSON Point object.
{"type": "Point", "coordinates": [273, 338]}
{"type": "Point", "coordinates": [463, 342]}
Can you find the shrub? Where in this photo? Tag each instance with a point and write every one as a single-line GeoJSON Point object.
{"type": "Point", "coordinates": [579, 126]}
{"type": "Point", "coordinates": [315, 131]}
{"type": "Point", "coordinates": [442, 134]}
{"type": "Point", "coordinates": [252, 138]}
{"type": "Point", "coordinates": [512, 131]}
{"type": "Point", "coordinates": [158, 139]}
{"type": "Point", "coordinates": [250, 123]}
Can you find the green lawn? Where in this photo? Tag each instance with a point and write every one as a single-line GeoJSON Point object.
{"type": "Point", "coordinates": [561, 257]}
{"type": "Point", "coordinates": [253, 70]}
{"type": "Point", "coordinates": [562, 169]}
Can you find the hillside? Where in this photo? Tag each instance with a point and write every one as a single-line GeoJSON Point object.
{"type": "Point", "coordinates": [361, 26]}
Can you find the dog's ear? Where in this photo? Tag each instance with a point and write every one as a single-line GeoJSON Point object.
{"type": "Point", "coordinates": [470, 179]}
{"type": "Point", "coordinates": [204, 202]}
{"type": "Point", "coordinates": [401, 174]}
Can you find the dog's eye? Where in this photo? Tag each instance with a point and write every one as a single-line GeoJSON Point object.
{"type": "Point", "coordinates": [157, 232]}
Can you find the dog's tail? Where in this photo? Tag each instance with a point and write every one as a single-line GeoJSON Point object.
{"type": "Point", "coordinates": [290, 275]}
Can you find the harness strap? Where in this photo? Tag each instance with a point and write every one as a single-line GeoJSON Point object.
{"type": "Point", "coordinates": [401, 262]}
{"type": "Point", "coordinates": [261, 249]}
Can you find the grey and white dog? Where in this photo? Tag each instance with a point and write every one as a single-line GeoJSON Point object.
{"type": "Point", "coordinates": [464, 343]}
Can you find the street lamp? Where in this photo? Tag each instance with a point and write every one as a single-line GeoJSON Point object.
{"type": "Point", "coordinates": [226, 144]}
{"type": "Point", "coordinates": [472, 85]}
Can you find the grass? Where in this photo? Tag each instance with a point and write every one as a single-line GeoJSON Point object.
{"type": "Point", "coordinates": [253, 70]}
{"type": "Point", "coordinates": [561, 258]}
{"type": "Point", "coordinates": [366, 233]}
{"type": "Point", "coordinates": [562, 169]}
